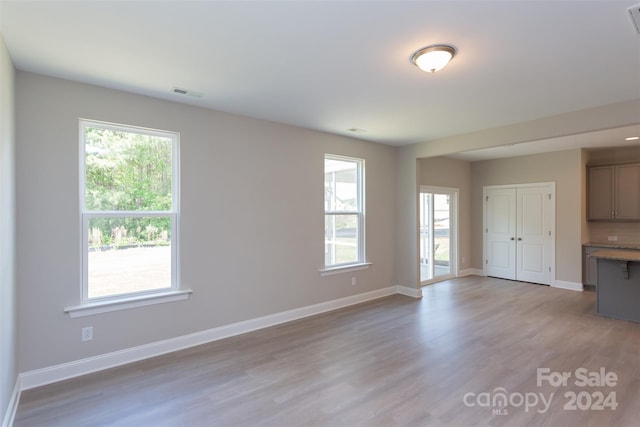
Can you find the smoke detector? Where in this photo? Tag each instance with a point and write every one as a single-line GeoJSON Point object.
{"type": "Point", "coordinates": [187, 92]}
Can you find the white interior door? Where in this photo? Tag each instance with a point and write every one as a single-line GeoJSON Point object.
{"type": "Point", "coordinates": [519, 224]}
{"type": "Point", "coordinates": [501, 233]}
{"type": "Point", "coordinates": [533, 241]}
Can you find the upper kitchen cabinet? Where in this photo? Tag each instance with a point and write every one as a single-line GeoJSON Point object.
{"type": "Point", "coordinates": [601, 193]}
{"type": "Point", "coordinates": [614, 192]}
{"type": "Point", "coordinates": [627, 192]}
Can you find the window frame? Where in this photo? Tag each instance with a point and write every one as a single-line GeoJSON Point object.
{"type": "Point", "coordinates": [159, 294]}
{"type": "Point", "coordinates": [361, 262]}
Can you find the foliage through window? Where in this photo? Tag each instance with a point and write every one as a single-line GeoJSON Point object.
{"type": "Point", "coordinates": [129, 184]}
{"type": "Point", "coordinates": [343, 211]}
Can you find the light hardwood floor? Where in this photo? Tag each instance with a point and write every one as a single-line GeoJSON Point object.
{"type": "Point", "coordinates": [396, 361]}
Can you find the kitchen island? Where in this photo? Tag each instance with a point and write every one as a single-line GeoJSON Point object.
{"type": "Point", "coordinates": [590, 264]}
{"type": "Point", "coordinates": [618, 284]}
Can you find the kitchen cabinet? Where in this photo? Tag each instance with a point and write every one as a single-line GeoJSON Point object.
{"type": "Point", "coordinates": [614, 193]}
{"type": "Point", "coordinates": [590, 263]}
{"type": "Point", "coordinates": [590, 266]}
{"type": "Point", "coordinates": [618, 290]}
{"type": "Point", "coordinates": [626, 195]}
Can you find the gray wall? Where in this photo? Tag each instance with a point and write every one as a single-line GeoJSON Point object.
{"type": "Point", "coordinates": [565, 169]}
{"type": "Point", "coordinates": [445, 172]}
{"type": "Point", "coordinates": [8, 316]}
{"type": "Point", "coordinates": [406, 237]}
{"type": "Point", "coordinates": [614, 155]}
{"type": "Point", "coordinates": [252, 223]}
{"type": "Point", "coordinates": [252, 229]}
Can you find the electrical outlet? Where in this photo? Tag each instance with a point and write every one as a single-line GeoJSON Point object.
{"type": "Point", "coordinates": [612, 238]}
{"type": "Point", "coordinates": [87, 333]}
{"type": "Point", "coordinates": [353, 281]}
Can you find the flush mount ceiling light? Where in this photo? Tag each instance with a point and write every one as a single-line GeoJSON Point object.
{"type": "Point", "coordinates": [433, 58]}
{"type": "Point", "coordinates": [632, 138]}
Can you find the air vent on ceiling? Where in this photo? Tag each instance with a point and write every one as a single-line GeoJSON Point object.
{"type": "Point", "coordinates": [187, 92]}
{"type": "Point", "coordinates": [634, 11]}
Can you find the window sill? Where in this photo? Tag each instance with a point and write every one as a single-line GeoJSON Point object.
{"type": "Point", "coordinates": [344, 269]}
{"type": "Point", "coordinates": [126, 303]}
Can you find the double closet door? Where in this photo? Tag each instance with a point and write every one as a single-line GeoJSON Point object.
{"type": "Point", "coordinates": [519, 232]}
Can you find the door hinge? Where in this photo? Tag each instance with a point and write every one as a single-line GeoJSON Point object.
{"type": "Point", "coordinates": [549, 195]}
{"type": "Point", "coordinates": [486, 230]}
{"type": "Point", "coordinates": [486, 198]}
{"type": "Point", "coordinates": [549, 269]}
{"type": "Point", "coordinates": [549, 233]}
{"type": "Point", "coordinates": [486, 261]}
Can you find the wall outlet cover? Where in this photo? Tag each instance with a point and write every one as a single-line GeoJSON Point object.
{"type": "Point", "coordinates": [87, 333]}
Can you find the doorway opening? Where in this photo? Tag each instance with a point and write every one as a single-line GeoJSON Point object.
{"type": "Point", "coordinates": [438, 234]}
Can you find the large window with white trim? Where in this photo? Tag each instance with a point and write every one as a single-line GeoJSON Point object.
{"type": "Point", "coordinates": [343, 211]}
{"type": "Point", "coordinates": [129, 211]}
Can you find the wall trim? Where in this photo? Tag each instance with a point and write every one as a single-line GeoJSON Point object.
{"type": "Point", "coordinates": [12, 408]}
{"type": "Point", "coordinates": [39, 377]}
{"type": "Point", "coordinates": [572, 286]}
{"type": "Point", "coordinates": [409, 291]}
{"type": "Point", "coordinates": [471, 272]}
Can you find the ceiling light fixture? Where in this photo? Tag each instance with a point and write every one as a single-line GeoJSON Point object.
{"type": "Point", "coordinates": [433, 58]}
{"type": "Point", "coordinates": [632, 138]}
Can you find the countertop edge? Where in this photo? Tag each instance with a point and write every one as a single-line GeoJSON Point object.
{"type": "Point", "coordinates": [612, 245]}
{"type": "Point", "coordinates": [617, 255]}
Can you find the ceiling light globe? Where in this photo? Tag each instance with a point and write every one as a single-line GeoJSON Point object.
{"type": "Point", "coordinates": [433, 58]}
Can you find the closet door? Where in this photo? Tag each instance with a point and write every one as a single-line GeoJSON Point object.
{"type": "Point", "coordinates": [533, 234]}
{"type": "Point", "coordinates": [518, 241]}
{"type": "Point", "coordinates": [500, 233]}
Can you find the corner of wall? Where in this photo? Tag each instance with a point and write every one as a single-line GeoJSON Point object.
{"type": "Point", "coordinates": [8, 287]}
{"type": "Point", "coordinates": [12, 407]}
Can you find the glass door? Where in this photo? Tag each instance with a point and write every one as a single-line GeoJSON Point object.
{"type": "Point", "coordinates": [437, 233]}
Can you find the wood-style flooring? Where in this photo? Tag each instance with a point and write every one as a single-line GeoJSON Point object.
{"type": "Point", "coordinates": [444, 360]}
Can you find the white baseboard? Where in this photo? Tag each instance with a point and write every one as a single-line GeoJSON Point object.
{"type": "Point", "coordinates": [409, 291]}
{"type": "Point", "coordinates": [40, 377]}
{"type": "Point", "coordinates": [470, 272]}
{"type": "Point", "coordinates": [572, 286]}
{"type": "Point", "coordinates": [12, 408]}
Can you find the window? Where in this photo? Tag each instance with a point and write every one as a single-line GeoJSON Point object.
{"type": "Point", "coordinates": [129, 209]}
{"type": "Point", "coordinates": [343, 212]}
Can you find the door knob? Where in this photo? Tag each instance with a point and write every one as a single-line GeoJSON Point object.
{"type": "Point", "coordinates": [519, 238]}
{"type": "Point", "coordinates": [513, 238]}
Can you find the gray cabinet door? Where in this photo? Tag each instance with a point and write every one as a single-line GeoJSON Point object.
{"type": "Point", "coordinates": [601, 192]}
{"type": "Point", "coordinates": [614, 192]}
{"type": "Point", "coordinates": [627, 192]}
{"type": "Point", "coordinates": [590, 266]}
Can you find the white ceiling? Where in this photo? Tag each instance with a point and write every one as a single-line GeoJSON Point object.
{"type": "Point", "coordinates": [336, 65]}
